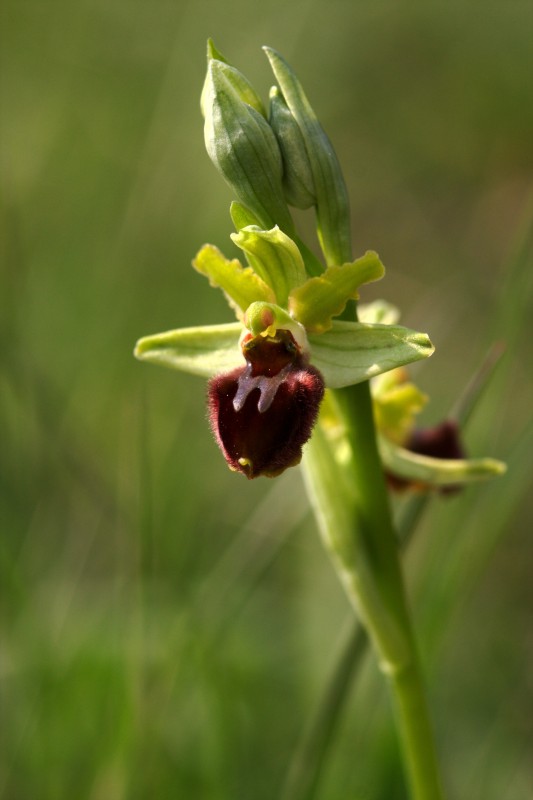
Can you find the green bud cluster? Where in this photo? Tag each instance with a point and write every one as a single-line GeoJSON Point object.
{"type": "Point", "coordinates": [276, 162]}
{"type": "Point", "coordinates": [242, 145]}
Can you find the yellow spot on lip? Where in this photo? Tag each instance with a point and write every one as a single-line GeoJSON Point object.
{"type": "Point", "coordinates": [247, 467]}
{"type": "Point", "coordinates": [269, 332]}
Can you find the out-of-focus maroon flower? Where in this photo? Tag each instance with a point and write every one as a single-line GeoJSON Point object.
{"type": "Point", "coordinates": [439, 441]}
{"type": "Point", "coordinates": [263, 413]}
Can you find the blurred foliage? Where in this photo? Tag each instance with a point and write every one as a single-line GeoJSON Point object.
{"type": "Point", "coordinates": [167, 627]}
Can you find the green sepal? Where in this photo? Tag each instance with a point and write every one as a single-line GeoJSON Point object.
{"type": "Point", "coordinates": [332, 205]}
{"type": "Point", "coordinates": [298, 182]}
{"type": "Point", "coordinates": [213, 54]}
{"type": "Point", "coordinates": [436, 472]}
{"type": "Point", "coordinates": [240, 285]}
{"type": "Point", "coordinates": [351, 352]}
{"type": "Point", "coordinates": [238, 81]}
{"type": "Point", "coordinates": [243, 147]}
{"type": "Point", "coordinates": [313, 265]}
{"type": "Point", "coordinates": [242, 216]}
{"type": "Point", "coordinates": [205, 351]}
{"type": "Point", "coordinates": [319, 299]}
{"type": "Point", "coordinates": [274, 257]}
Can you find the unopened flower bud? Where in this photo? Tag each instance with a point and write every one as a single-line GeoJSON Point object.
{"type": "Point", "coordinates": [332, 207]}
{"type": "Point", "coordinates": [298, 182]}
{"type": "Point", "coordinates": [242, 145]}
{"type": "Point", "coordinates": [239, 82]}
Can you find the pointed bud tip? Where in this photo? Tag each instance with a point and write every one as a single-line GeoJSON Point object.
{"type": "Point", "coordinates": [213, 52]}
{"type": "Point", "coordinates": [271, 52]}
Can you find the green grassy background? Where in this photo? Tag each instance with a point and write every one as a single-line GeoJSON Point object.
{"type": "Point", "coordinates": [167, 627]}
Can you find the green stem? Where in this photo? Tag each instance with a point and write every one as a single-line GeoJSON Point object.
{"type": "Point", "coordinates": [310, 756]}
{"type": "Point", "coordinates": [347, 488]}
{"type": "Point", "coordinates": [416, 735]}
{"type": "Point", "coordinates": [309, 759]}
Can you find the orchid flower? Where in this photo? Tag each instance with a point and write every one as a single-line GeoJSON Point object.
{"type": "Point", "coordinates": [269, 369]}
{"type": "Point", "coordinates": [294, 369]}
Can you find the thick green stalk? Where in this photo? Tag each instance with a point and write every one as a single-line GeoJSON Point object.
{"type": "Point", "coordinates": [347, 488]}
{"type": "Point", "coordinates": [309, 759]}
{"type": "Point", "coordinates": [415, 732]}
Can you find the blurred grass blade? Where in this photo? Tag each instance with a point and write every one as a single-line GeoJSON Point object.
{"type": "Point", "coordinates": [241, 565]}
{"type": "Point", "coordinates": [310, 756]}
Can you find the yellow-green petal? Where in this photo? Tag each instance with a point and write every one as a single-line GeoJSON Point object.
{"type": "Point", "coordinates": [319, 299]}
{"type": "Point", "coordinates": [240, 284]}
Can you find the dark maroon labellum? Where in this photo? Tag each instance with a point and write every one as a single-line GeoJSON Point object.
{"type": "Point", "coordinates": [263, 413]}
